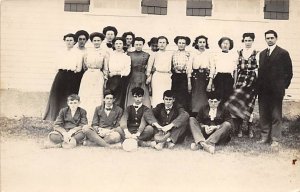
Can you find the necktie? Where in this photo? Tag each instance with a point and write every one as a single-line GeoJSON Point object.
{"type": "Point", "coordinates": [268, 52]}
{"type": "Point", "coordinates": [109, 45]}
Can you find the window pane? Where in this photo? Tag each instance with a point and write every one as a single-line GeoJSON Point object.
{"type": "Point", "coordinates": [202, 12]}
{"type": "Point", "coordinates": [150, 10]}
{"type": "Point", "coordinates": [189, 12]}
{"type": "Point", "coordinates": [208, 12]}
{"type": "Point", "coordinates": [164, 11]}
{"type": "Point", "coordinates": [157, 10]}
{"type": "Point", "coordinates": [73, 7]}
{"type": "Point", "coordinates": [79, 8]}
{"type": "Point", "coordinates": [67, 7]}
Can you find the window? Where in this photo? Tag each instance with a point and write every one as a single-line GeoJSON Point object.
{"type": "Point", "coordinates": [276, 9]}
{"type": "Point", "coordinates": [155, 7]}
{"type": "Point", "coordinates": [198, 7]}
{"type": "Point", "coordinates": [77, 5]}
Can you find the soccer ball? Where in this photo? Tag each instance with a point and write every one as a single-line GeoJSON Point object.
{"type": "Point", "coordinates": [130, 145]}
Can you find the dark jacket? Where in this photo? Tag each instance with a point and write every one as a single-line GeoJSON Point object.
{"type": "Point", "coordinates": [275, 72]}
{"type": "Point", "coordinates": [66, 121]}
{"type": "Point", "coordinates": [177, 115]}
{"type": "Point", "coordinates": [111, 121]}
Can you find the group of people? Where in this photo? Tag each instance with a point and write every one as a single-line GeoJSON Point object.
{"type": "Point", "coordinates": [125, 92]}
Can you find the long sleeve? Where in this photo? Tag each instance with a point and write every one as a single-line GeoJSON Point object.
{"type": "Point", "coordinates": [127, 66]}
{"type": "Point", "coordinates": [181, 118]}
{"type": "Point", "coordinates": [288, 69]}
{"type": "Point", "coordinates": [149, 117]}
{"type": "Point", "coordinates": [60, 119]}
{"type": "Point", "coordinates": [212, 66]}
{"type": "Point", "coordinates": [150, 64]}
{"type": "Point", "coordinates": [96, 119]}
{"type": "Point", "coordinates": [123, 121]}
{"type": "Point", "coordinates": [119, 117]}
{"type": "Point", "coordinates": [83, 118]}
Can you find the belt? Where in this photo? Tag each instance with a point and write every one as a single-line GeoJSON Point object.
{"type": "Point", "coordinates": [93, 69]}
{"type": "Point", "coordinates": [162, 71]}
{"type": "Point", "coordinates": [201, 70]}
{"type": "Point", "coordinates": [66, 70]}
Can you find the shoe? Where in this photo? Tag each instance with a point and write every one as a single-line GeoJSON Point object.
{"type": "Point", "coordinates": [159, 146]}
{"type": "Point", "coordinates": [88, 143]}
{"type": "Point", "coordinates": [161, 136]}
{"type": "Point", "coordinates": [262, 141]}
{"type": "Point", "coordinates": [49, 145]}
{"type": "Point", "coordinates": [240, 134]}
{"type": "Point", "coordinates": [195, 146]}
{"type": "Point", "coordinates": [170, 145]}
{"type": "Point", "coordinates": [275, 144]}
{"type": "Point", "coordinates": [251, 133]}
{"type": "Point", "coordinates": [147, 143]}
{"type": "Point", "coordinates": [208, 148]}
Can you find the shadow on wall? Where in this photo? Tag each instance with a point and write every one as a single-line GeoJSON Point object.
{"type": "Point", "coordinates": [16, 104]}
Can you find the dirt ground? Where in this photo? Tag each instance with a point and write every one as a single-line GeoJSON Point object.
{"type": "Point", "coordinates": [27, 167]}
{"type": "Point", "coordinates": [241, 166]}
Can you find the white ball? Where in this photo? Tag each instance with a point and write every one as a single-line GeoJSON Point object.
{"type": "Point", "coordinates": [69, 145]}
{"type": "Point", "coordinates": [130, 145]}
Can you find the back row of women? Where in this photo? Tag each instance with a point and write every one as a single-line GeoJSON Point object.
{"type": "Point", "coordinates": [120, 64]}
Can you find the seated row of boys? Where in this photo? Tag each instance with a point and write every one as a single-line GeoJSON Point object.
{"type": "Point", "coordinates": [160, 127]}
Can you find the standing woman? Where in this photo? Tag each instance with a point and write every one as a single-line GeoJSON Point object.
{"type": "Point", "coordinates": [181, 71]}
{"type": "Point", "coordinates": [95, 64]}
{"type": "Point", "coordinates": [242, 102]}
{"type": "Point", "coordinates": [203, 71]}
{"type": "Point", "coordinates": [70, 63]}
{"type": "Point", "coordinates": [129, 38]}
{"type": "Point", "coordinates": [160, 63]}
{"type": "Point", "coordinates": [81, 37]}
{"type": "Point", "coordinates": [119, 67]}
{"type": "Point", "coordinates": [225, 67]}
{"type": "Point", "coordinates": [137, 78]}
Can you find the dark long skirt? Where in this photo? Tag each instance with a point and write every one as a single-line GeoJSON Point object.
{"type": "Point", "coordinates": [65, 83]}
{"type": "Point", "coordinates": [180, 89]}
{"type": "Point", "coordinates": [199, 85]}
{"type": "Point", "coordinates": [223, 83]}
{"type": "Point", "coordinates": [117, 85]}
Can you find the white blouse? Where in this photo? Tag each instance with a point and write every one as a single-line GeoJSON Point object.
{"type": "Point", "coordinates": [161, 60]}
{"type": "Point", "coordinates": [94, 58]}
{"type": "Point", "coordinates": [119, 62]}
{"type": "Point", "coordinates": [204, 60]}
{"type": "Point", "coordinates": [71, 59]}
{"type": "Point", "coordinates": [226, 62]}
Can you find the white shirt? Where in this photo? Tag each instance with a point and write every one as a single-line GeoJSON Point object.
{"type": "Point", "coordinates": [204, 60]}
{"type": "Point", "coordinates": [119, 62]}
{"type": "Point", "coordinates": [161, 60]}
{"type": "Point", "coordinates": [71, 59]}
{"type": "Point", "coordinates": [271, 49]}
{"type": "Point", "coordinates": [226, 62]}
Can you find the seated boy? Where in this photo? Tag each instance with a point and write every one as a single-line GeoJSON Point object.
{"type": "Point", "coordinates": [209, 130]}
{"type": "Point", "coordinates": [105, 127]}
{"type": "Point", "coordinates": [173, 120]}
{"type": "Point", "coordinates": [138, 120]}
{"type": "Point", "coordinates": [69, 123]}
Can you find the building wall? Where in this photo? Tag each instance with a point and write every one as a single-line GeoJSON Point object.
{"type": "Point", "coordinates": [32, 31]}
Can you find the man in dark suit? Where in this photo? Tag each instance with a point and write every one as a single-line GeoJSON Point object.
{"type": "Point", "coordinates": [173, 120]}
{"type": "Point", "coordinates": [105, 127]}
{"type": "Point", "coordinates": [68, 124]}
{"type": "Point", "coordinates": [274, 76]}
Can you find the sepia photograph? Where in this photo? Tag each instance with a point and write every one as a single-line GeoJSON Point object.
{"type": "Point", "coordinates": [150, 95]}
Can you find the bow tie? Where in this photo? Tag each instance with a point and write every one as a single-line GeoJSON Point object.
{"type": "Point", "coordinates": [109, 45]}
{"type": "Point", "coordinates": [168, 109]}
{"type": "Point", "coordinates": [108, 108]}
{"type": "Point", "coordinates": [225, 51]}
{"type": "Point", "coordinates": [135, 106]}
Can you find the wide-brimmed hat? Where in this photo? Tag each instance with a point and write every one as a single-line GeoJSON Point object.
{"type": "Point", "coordinates": [223, 39]}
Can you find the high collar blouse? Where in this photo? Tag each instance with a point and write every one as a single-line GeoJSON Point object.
{"type": "Point", "coordinates": [119, 62]}
{"type": "Point", "coordinates": [204, 60]}
{"type": "Point", "coordinates": [70, 59]}
{"type": "Point", "coordinates": [161, 61]}
{"type": "Point", "coordinates": [226, 62]}
{"type": "Point", "coordinates": [95, 57]}
{"type": "Point", "coordinates": [181, 62]}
